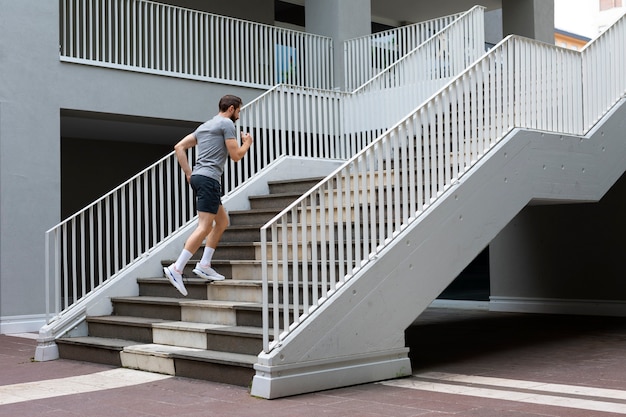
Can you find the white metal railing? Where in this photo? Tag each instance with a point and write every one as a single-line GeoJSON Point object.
{"type": "Point", "coordinates": [366, 56]}
{"type": "Point", "coordinates": [309, 121]}
{"type": "Point", "coordinates": [95, 244]}
{"type": "Point", "coordinates": [146, 36]}
{"type": "Point", "coordinates": [329, 234]}
{"type": "Point", "coordinates": [603, 56]}
{"type": "Point", "coordinates": [416, 76]}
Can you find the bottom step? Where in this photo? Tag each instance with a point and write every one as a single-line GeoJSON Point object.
{"type": "Point", "coordinates": [224, 367]}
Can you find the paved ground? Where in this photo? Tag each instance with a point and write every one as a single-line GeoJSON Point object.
{"type": "Point", "coordinates": [465, 364]}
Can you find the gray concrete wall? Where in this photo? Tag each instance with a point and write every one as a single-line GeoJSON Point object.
{"type": "Point", "coordinates": [530, 18]}
{"type": "Point", "coordinates": [340, 20]}
{"type": "Point", "coordinates": [29, 157]}
{"type": "Point", "coordinates": [34, 87]}
{"type": "Point", "coordinates": [493, 26]}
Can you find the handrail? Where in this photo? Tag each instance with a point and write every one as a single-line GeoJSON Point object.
{"type": "Point", "coordinates": [416, 76]}
{"type": "Point", "coordinates": [146, 36]}
{"type": "Point", "coordinates": [87, 248]}
{"type": "Point", "coordinates": [369, 55]}
{"type": "Point", "coordinates": [350, 217]}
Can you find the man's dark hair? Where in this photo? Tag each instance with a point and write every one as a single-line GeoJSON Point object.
{"type": "Point", "coordinates": [229, 100]}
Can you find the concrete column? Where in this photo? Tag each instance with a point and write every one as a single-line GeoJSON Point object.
{"type": "Point", "coordinates": [340, 20]}
{"type": "Point", "coordinates": [29, 156]}
{"type": "Point", "coordinates": [530, 18]}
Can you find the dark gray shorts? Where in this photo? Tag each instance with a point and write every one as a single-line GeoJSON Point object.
{"type": "Point", "coordinates": [208, 193]}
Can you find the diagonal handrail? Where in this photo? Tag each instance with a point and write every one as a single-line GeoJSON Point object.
{"type": "Point", "coordinates": [366, 56]}
{"type": "Point", "coordinates": [343, 223]}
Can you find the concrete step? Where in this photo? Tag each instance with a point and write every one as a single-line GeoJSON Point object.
{"type": "Point", "coordinates": [276, 201]}
{"type": "Point", "coordinates": [256, 217]}
{"type": "Point", "coordinates": [223, 338]}
{"type": "Point", "coordinates": [229, 290]}
{"type": "Point", "coordinates": [138, 329]}
{"type": "Point", "coordinates": [93, 349]}
{"type": "Point", "coordinates": [288, 186]}
{"type": "Point", "coordinates": [230, 250]}
{"type": "Point", "coordinates": [174, 309]}
{"type": "Point", "coordinates": [224, 367]}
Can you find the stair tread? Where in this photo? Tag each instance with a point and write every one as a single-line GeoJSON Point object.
{"type": "Point", "coordinates": [178, 325]}
{"type": "Point", "coordinates": [146, 321]}
{"type": "Point", "coordinates": [163, 350]}
{"type": "Point", "coordinates": [275, 195]}
{"type": "Point", "coordinates": [99, 341]}
{"type": "Point", "coordinates": [227, 282]}
{"type": "Point", "coordinates": [145, 299]}
{"type": "Point", "coordinates": [296, 180]}
{"type": "Point", "coordinates": [210, 328]}
{"type": "Point", "coordinates": [192, 353]}
{"type": "Point", "coordinates": [255, 210]}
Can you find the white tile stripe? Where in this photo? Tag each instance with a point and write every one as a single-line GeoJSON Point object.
{"type": "Point", "coordinates": [530, 385]}
{"type": "Point", "coordinates": [114, 378]}
{"type": "Point", "coordinates": [524, 397]}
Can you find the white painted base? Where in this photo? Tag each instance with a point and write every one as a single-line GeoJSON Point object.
{"type": "Point", "coordinates": [277, 382]}
{"type": "Point", "coordinates": [48, 351]}
{"type": "Point", "coordinates": [22, 324]}
{"type": "Point", "coordinates": [557, 306]}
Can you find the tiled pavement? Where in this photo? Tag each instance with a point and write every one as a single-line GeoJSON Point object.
{"type": "Point", "coordinates": [466, 363]}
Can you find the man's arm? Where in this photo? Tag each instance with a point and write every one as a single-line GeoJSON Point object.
{"type": "Point", "coordinates": [235, 151]}
{"type": "Point", "coordinates": [180, 149]}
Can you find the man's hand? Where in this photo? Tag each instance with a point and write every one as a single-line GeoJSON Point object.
{"type": "Point", "coordinates": [246, 137]}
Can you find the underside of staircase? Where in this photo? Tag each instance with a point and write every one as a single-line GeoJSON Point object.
{"type": "Point", "coordinates": [215, 332]}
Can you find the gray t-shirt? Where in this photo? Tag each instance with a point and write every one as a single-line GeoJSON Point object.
{"type": "Point", "coordinates": [212, 152]}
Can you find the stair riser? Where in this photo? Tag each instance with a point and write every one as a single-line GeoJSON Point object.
{"type": "Point", "coordinates": [165, 289]}
{"type": "Point", "coordinates": [182, 338]}
{"type": "Point", "coordinates": [104, 356]}
{"type": "Point", "coordinates": [247, 345]}
{"type": "Point", "coordinates": [121, 331]}
{"type": "Point", "coordinates": [291, 187]}
{"type": "Point", "coordinates": [255, 272]}
{"type": "Point", "coordinates": [271, 202]}
{"type": "Point", "coordinates": [237, 219]}
{"type": "Point", "coordinates": [238, 344]}
{"type": "Point", "coordinates": [254, 317]}
{"type": "Point", "coordinates": [197, 314]}
{"type": "Point", "coordinates": [300, 253]}
{"type": "Point", "coordinates": [165, 312]}
{"type": "Point", "coordinates": [219, 292]}
{"type": "Point", "coordinates": [225, 293]}
{"type": "Point", "coordinates": [225, 374]}
{"type": "Point", "coordinates": [251, 234]}
{"type": "Point", "coordinates": [235, 293]}
{"type": "Point", "coordinates": [149, 363]}
{"type": "Point", "coordinates": [238, 252]}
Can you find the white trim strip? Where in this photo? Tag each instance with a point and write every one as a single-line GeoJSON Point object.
{"type": "Point", "coordinates": [454, 384]}
{"type": "Point", "coordinates": [115, 378]}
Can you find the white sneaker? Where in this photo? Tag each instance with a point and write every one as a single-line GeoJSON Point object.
{"type": "Point", "coordinates": [175, 278]}
{"type": "Point", "coordinates": [207, 272]}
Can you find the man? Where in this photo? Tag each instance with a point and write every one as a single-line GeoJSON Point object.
{"type": "Point", "coordinates": [216, 140]}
